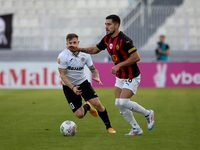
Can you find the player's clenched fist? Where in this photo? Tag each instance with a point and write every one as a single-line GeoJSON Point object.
{"type": "Point", "coordinates": [114, 69]}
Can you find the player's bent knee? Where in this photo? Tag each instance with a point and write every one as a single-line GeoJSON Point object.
{"type": "Point", "coordinates": [119, 106]}
{"type": "Point", "coordinates": [79, 116]}
{"type": "Point", "coordinates": [79, 113]}
{"type": "Point", "coordinates": [117, 102]}
{"type": "Point", "coordinates": [123, 102]}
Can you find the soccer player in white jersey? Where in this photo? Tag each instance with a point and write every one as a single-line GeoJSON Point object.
{"type": "Point", "coordinates": [75, 85]}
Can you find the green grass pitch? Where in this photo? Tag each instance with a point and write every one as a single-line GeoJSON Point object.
{"type": "Point", "coordinates": [30, 119]}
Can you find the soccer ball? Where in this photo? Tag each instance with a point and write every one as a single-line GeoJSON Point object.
{"type": "Point", "coordinates": [68, 128]}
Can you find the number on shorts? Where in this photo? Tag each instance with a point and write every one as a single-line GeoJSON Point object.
{"type": "Point", "coordinates": [128, 81]}
{"type": "Point", "coordinates": [71, 105]}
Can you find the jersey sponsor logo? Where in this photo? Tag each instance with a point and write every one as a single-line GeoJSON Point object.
{"type": "Point", "coordinates": [74, 68]}
{"type": "Point", "coordinates": [59, 60]}
{"type": "Point", "coordinates": [82, 59]}
{"type": "Point", "coordinates": [117, 47]}
{"type": "Point", "coordinates": [114, 58]}
{"type": "Point", "coordinates": [132, 49]}
{"type": "Point", "coordinates": [111, 45]}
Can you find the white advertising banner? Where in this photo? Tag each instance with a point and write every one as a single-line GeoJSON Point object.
{"type": "Point", "coordinates": [31, 75]}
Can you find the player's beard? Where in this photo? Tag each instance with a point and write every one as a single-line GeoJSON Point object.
{"type": "Point", "coordinates": [111, 33]}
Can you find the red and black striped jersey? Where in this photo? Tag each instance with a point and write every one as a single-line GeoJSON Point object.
{"type": "Point", "coordinates": [120, 48]}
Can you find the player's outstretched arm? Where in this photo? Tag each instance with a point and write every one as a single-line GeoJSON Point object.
{"type": "Point", "coordinates": [90, 50]}
{"type": "Point", "coordinates": [66, 81]}
{"type": "Point", "coordinates": [95, 74]}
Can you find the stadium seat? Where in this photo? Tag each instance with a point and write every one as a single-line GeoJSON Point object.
{"type": "Point", "coordinates": [183, 24]}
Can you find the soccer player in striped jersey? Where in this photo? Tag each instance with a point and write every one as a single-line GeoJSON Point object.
{"type": "Point", "coordinates": [125, 57]}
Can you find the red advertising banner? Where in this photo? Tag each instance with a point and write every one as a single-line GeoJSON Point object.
{"type": "Point", "coordinates": [45, 74]}
{"type": "Point", "coordinates": [31, 75]}
{"type": "Point", "coordinates": [158, 74]}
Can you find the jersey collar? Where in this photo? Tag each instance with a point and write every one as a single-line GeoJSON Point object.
{"type": "Point", "coordinates": [73, 53]}
{"type": "Point", "coordinates": [116, 35]}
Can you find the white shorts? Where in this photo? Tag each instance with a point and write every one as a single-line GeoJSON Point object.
{"type": "Point", "coordinates": [131, 84]}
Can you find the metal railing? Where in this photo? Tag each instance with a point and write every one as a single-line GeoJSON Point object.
{"type": "Point", "coordinates": [145, 23]}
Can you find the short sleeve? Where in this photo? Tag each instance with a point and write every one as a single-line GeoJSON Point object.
{"type": "Point", "coordinates": [167, 46]}
{"type": "Point", "coordinates": [101, 45]}
{"type": "Point", "coordinates": [61, 62]}
{"type": "Point", "coordinates": [128, 46]}
{"type": "Point", "coordinates": [89, 62]}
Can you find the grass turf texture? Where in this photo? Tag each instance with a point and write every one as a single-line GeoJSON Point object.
{"type": "Point", "coordinates": [30, 119]}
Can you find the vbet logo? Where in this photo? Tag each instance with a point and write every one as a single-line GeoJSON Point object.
{"type": "Point", "coordinates": [168, 75]}
{"type": "Point", "coordinates": [186, 78]}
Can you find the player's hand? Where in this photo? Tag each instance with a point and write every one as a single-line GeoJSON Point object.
{"type": "Point", "coordinates": [98, 80]}
{"type": "Point", "coordinates": [72, 48]}
{"type": "Point", "coordinates": [160, 51]}
{"type": "Point", "coordinates": [76, 90]}
{"type": "Point", "coordinates": [114, 69]}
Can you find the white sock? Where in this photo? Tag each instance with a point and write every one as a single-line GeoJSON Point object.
{"type": "Point", "coordinates": [127, 114]}
{"type": "Point", "coordinates": [133, 106]}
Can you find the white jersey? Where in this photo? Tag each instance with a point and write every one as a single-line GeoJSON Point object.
{"type": "Point", "coordinates": [74, 65]}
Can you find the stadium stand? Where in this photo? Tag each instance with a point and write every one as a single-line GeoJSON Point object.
{"type": "Point", "coordinates": [181, 28]}
{"type": "Point", "coordinates": [147, 19]}
{"type": "Point", "coordinates": [177, 19]}
{"type": "Point", "coordinates": [43, 24]}
{"type": "Point", "coordinates": [40, 26]}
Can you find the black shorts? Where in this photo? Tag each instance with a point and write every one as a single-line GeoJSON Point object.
{"type": "Point", "coordinates": [75, 101]}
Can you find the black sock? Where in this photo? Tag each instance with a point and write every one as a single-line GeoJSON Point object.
{"type": "Point", "coordinates": [104, 116]}
{"type": "Point", "coordinates": [86, 107]}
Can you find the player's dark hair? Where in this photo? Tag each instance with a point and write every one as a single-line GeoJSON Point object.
{"type": "Point", "coordinates": [71, 36]}
{"type": "Point", "coordinates": [115, 18]}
